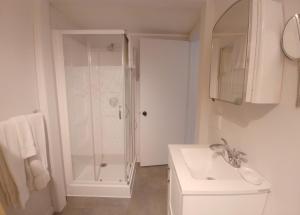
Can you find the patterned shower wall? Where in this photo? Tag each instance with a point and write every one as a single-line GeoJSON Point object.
{"type": "Point", "coordinates": [106, 100]}
{"type": "Point", "coordinates": [79, 110]}
{"type": "Point", "coordinates": [109, 92]}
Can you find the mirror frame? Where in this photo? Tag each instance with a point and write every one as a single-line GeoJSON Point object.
{"type": "Point", "coordinates": [297, 16]}
{"type": "Point", "coordinates": [247, 53]}
{"type": "Point", "coordinates": [297, 60]}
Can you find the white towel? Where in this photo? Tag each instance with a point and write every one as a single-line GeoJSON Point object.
{"type": "Point", "coordinates": [9, 195]}
{"type": "Point", "coordinates": [37, 125]}
{"type": "Point", "coordinates": [2, 212]}
{"type": "Point", "coordinates": [25, 137]}
{"type": "Point", "coordinates": [38, 177]}
{"type": "Point", "coordinates": [14, 159]}
{"type": "Point", "coordinates": [24, 146]}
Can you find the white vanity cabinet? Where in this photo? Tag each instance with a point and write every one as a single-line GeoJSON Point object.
{"type": "Point", "coordinates": [175, 197]}
{"type": "Point", "coordinates": [246, 59]}
{"type": "Point", "coordinates": [224, 194]}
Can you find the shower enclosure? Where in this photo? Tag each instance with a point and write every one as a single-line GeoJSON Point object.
{"type": "Point", "coordinates": [95, 88]}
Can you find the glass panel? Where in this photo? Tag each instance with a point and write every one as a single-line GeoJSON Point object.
{"type": "Point", "coordinates": [79, 104]}
{"type": "Point", "coordinates": [108, 85]}
{"type": "Point", "coordinates": [95, 92]}
{"type": "Point", "coordinates": [229, 49]}
{"type": "Point", "coordinates": [127, 121]}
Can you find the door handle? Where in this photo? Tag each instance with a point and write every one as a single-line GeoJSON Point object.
{"type": "Point", "coordinates": [144, 113]}
{"type": "Point", "coordinates": [120, 113]}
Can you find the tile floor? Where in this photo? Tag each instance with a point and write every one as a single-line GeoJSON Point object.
{"type": "Point", "coordinates": [149, 197]}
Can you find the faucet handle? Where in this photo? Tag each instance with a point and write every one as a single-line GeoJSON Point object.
{"type": "Point", "coordinates": [224, 142]}
{"type": "Point", "coordinates": [241, 157]}
{"type": "Point", "coordinates": [239, 154]}
{"type": "Point", "coordinates": [244, 160]}
{"type": "Point", "coordinates": [242, 153]}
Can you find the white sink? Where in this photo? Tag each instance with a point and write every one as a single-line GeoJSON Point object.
{"type": "Point", "coordinates": [203, 183]}
{"type": "Point", "coordinates": [203, 164]}
{"type": "Point", "coordinates": [201, 171]}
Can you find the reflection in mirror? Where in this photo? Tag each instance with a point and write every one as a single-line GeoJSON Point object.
{"type": "Point", "coordinates": [229, 50]}
{"type": "Point", "coordinates": [291, 45]}
{"type": "Point", "coordinates": [291, 38]}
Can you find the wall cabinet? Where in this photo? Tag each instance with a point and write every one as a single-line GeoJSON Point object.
{"type": "Point", "coordinates": [246, 59]}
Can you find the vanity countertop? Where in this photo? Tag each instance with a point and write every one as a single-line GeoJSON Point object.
{"type": "Point", "coordinates": [223, 186]}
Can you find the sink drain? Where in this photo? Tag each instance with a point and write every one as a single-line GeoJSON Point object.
{"type": "Point", "coordinates": [103, 164]}
{"type": "Point", "coordinates": [210, 178]}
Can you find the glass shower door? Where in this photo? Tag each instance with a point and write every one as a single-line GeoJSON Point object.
{"type": "Point", "coordinates": [106, 63]}
{"type": "Point", "coordinates": [94, 89]}
{"type": "Point", "coordinates": [129, 122]}
{"type": "Point", "coordinates": [80, 106]}
{"type": "Point", "coordinates": [97, 106]}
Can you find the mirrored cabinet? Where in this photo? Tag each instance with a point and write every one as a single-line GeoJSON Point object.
{"type": "Point", "coordinates": [246, 58]}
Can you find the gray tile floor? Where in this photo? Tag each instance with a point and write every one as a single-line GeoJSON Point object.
{"type": "Point", "coordinates": [149, 197]}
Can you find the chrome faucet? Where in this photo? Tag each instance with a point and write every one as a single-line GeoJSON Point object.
{"type": "Point", "coordinates": [232, 156]}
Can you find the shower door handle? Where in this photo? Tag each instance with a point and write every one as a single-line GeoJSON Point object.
{"type": "Point", "coordinates": [120, 113]}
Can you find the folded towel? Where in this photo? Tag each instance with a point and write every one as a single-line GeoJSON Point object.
{"type": "Point", "coordinates": [9, 195]}
{"type": "Point", "coordinates": [37, 125]}
{"type": "Point", "coordinates": [38, 177]}
{"type": "Point", "coordinates": [2, 212]}
{"type": "Point", "coordinates": [25, 137]}
{"type": "Point", "coordinates": [13, 157]}
{"type": "Point", "coordinates": [23, 141]}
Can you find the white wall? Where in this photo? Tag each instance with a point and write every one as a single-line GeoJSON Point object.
{"type": "Point", "coordinates": [269, 134]}
{"type": "Point", "coordinates": [17, 59]}
{"type": "Point", "coordinates": [204, 103]}
{"type": "Point", "coordinates": [48, 99]}
{"type": "Point", "coordinates": [18, 78]}
{"type": "Point", "coordinates": [59, 20]}
{"type": "Point", "coordinates": [191, 133]}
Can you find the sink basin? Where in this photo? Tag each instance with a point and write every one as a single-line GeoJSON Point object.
{"type": "Point", "coordinates": [201, 171]}
{"type": "Point", "coordinates": [201, 182]}
{"type": "Point", "coordinates": [204, 164]}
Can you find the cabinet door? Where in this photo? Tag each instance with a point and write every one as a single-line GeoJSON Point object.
{"type": "Point", "coordinates": [169, 191]}
{"type": "Point", "coordinates": [175, 196]}
{"type": "Point", "coordinates": [265, 70]}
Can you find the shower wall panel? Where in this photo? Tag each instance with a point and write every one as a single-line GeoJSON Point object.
{"type": "Point", "coordinates": [78, 89]}
{"type": "Point", "coordinates": [108, 70]}
{"type": "Point", "coordinates": [111, 91]}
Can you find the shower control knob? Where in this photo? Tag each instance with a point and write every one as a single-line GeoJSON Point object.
{"type": "Point", "coordinates": [144, 113]}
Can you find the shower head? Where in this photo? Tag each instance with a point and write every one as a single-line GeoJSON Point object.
{"type": "Point", "coordinates": [111, 47]}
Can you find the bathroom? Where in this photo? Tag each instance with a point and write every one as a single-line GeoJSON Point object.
{"type": "Point", "coordinates": [116, 82]}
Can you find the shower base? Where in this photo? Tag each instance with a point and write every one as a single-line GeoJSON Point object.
{"type": "Point", "coordinates": [112, 172]}
{"type": "Point", "coordinates": [110, 179]}
{"type": "Point", "coordinates": [109, 173]}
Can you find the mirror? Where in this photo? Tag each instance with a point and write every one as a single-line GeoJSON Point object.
{"type": "Point", "coordinates": [229, 53]}
{"type": "Point", "coordinates": [291, 45]}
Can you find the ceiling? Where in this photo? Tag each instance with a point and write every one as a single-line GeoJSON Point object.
{"type": "Point", "coordinates": [138, 16]}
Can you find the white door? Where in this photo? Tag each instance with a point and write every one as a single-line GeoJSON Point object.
{"type": "Point", "coordinates": [164, 66]}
